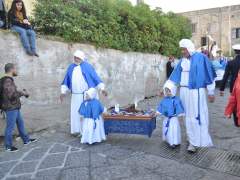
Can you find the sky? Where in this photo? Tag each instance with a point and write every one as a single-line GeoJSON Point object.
{"type": "Point", "coordinates": [188, 5]}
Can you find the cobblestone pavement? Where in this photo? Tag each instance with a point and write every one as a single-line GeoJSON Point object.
{"type": "Point", "coordinates": [59, 156]}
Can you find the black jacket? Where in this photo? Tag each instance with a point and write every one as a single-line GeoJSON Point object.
{"type": "Point", "coordinates": [13, 21]}
{"type": "Point", "coordinates": [231, 71]}
{"type": "Point", "coordinates": [169, 69]}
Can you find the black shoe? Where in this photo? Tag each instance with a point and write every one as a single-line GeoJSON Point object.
{"type": "Point", "coordinates": [30, 141]}
{"type": "Point", "coordinates": [36, 54]}
{"type": "Point", "coordinates": [29, 53]}
{"type": "Point", "coordinates": [12, 149]}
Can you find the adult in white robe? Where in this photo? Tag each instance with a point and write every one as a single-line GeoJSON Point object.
{"type": "Point", "coordinates": [194, 74]}
{"type": "Point", "coordinates": [79, 78]}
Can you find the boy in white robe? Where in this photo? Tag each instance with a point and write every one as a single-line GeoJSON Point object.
{"type": "Point", "coordinates": [93, 126]}
{"type": "Point", "coordinates": [171, 108]}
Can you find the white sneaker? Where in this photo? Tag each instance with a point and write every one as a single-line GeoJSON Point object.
{"type": "Point", "coordinates": [191, 148]}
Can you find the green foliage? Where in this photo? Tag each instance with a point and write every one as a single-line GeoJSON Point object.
{"type": "Point", "coordinates": [112, 24]}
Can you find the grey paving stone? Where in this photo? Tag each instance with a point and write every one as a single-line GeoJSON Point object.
{"type": "Point", "coordinates": [111, 172]}
{"type": "Point", "coordinates": [58, 148]}
{"type": "Point", "coordinates": [25, 177]}
{"type": "Point", "coordinates": [7, 156]}
{"type": "Point", "coordinates": [75, 149]}
{"type": "Point", "coordinates": [36, 154]}
{"type": "Point", "coordinates": [5, 167]}
{"type": "Point", "coordinates": [24, 167]}
{"type": "Point", "coordinates": [49, 173]}
{"type": "Point", "coordinates": [99, 148]}
{"type": "Point", "coordinates": [53, 160]}
{"type": "Point", "coordinates": [75, 174]}
{"type": "Point", "coordinates": [77, 159]}
{"type": "Point", "coordinates": [151, 177]}
{"type": "Point", "coordinates": [98, 160]}
{"type": "Point", "coordinates": [118, 153]}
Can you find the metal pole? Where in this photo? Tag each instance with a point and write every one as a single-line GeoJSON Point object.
{"type": "Point", "coordinates": [230, 31]}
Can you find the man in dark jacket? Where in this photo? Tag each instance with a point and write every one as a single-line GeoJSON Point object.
{"type": "Point", "coordinates": [231, 71]}
{"type": "Point", "coordinates": [11, 104]}
{"type": "Point", "coordinates": [170, 66]}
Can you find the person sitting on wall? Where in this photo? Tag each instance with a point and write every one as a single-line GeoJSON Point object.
{"type": "Point", "coordinates": [19, 23]}
{"type": "Point", "coordinates": [2, 14]}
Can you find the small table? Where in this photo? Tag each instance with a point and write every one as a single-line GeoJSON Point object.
{"type": "Point", "coordinates": [128, 124]}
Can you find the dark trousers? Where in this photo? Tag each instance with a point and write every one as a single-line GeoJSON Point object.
{"type": "Point", "coordinates": [235, 118]}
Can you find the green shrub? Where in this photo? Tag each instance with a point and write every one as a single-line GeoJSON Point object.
{"type": "Point", "coordinates": [112, 24]}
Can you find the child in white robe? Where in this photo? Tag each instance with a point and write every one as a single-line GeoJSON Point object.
{"type": "Point", "coordinates": [171, 108]}
{"type": "Point", "coordinates": [93, 126]}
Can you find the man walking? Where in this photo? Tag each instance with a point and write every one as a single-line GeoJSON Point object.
{"type": "Point", "coordinates": [79, 78]}
{"type": "Point", "coordinates": [11, 104]}
{"type": "Point", "coordinates": [194, 74]}
{"type": "Point", "coordinates": [232, 70]}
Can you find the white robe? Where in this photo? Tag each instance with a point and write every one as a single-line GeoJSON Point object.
{"type": "Point", "coordinates": [173, 136]}
{"type": "Point", "coordinates": [91, 135]}
{"type": "Point", "coordinates": [79, 86]}
{"type": "Point", "coordinates": [198, 135]}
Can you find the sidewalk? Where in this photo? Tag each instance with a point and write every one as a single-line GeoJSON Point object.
{"type": "Point", "coordinates": [59, 156]}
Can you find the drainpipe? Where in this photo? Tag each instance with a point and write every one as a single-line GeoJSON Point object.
{"type": "Point", "coordinates": [230, 31]}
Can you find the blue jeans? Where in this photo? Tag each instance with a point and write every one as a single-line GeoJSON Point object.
{"type": "Point", "coordinates": [28, 38]}
{"type": "Point", "coordinates": [14, 117]}
{"type": "Point", "coordinates": [1, 23]}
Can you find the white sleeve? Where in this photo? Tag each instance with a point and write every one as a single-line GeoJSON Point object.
{"type": "Point", "coordinates": [64, 89]}
{"type": "Point", "coordinates": [101, 87]}
{"type": "Point", "coordinates": [211, 88]}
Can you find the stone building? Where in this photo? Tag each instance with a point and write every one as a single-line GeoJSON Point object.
{"type": "Point", "coordinates": [222, 24]}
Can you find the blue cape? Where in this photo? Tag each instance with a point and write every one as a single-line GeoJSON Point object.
{"type": "Point", "coordinates": [201, 72]}
{"type": "Point", "coordinates": [89, 74]}
{"type": "Point", "coordinates": [170, 106]}
{"type": "Point", "coordinates": [91, 109]}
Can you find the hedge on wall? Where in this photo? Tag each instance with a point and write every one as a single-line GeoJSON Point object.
{"type": "Point", "coordinates": [112, 24]}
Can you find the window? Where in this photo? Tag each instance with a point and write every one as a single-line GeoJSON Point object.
{"type": "Point", "coordinates": [236, 33]}
{"type": "Point", "coordinates": [203, 41]}
{"type": "Point", "coordinates": [194, 27]}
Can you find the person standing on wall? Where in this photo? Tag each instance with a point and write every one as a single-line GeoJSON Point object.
{"type": "Point", "coordinates": [3, 23]}
{"type": "Point", "coordinates": [231, 71]}
{"type": "Point", "coordinates": [19, 23]}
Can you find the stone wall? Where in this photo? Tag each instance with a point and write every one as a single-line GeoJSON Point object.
{"type": "Point", "coordinates": [129, 77]}
{"type": "Point", "coordinates": [220, 23]}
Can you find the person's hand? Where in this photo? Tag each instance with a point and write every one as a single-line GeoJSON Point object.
{"type": "Point", "coordinates": [26, 94]}
{"type": "Point", "coordinates": [221, 93]}
{"type": "Point", "coordinates": [104, 93]}
{"type": "Point", "coordinates": [211, 98]}
{"type": "Point", "coordinates": [62, 96]}
{"type": "Point", "coordinates": [228, 116]}
{"type": "Point", "coordinates": [161, 94]}
{"type": "Point", "coordinates": [25, 21]}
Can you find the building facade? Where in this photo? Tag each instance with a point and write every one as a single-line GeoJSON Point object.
{"type": "Point", "coordinates": [217, 24]}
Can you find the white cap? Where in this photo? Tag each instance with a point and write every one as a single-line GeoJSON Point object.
{"type": "Point", "coordinates": [92, 93]}
{"type": "Point", "coordinates": [79, 54]}
{"type": "Point", "coordinates": [171, 86]}
{"type": "Point", "coordinates": [236, 47]}
{"type": "Point", "coordinates": [188, 44]}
